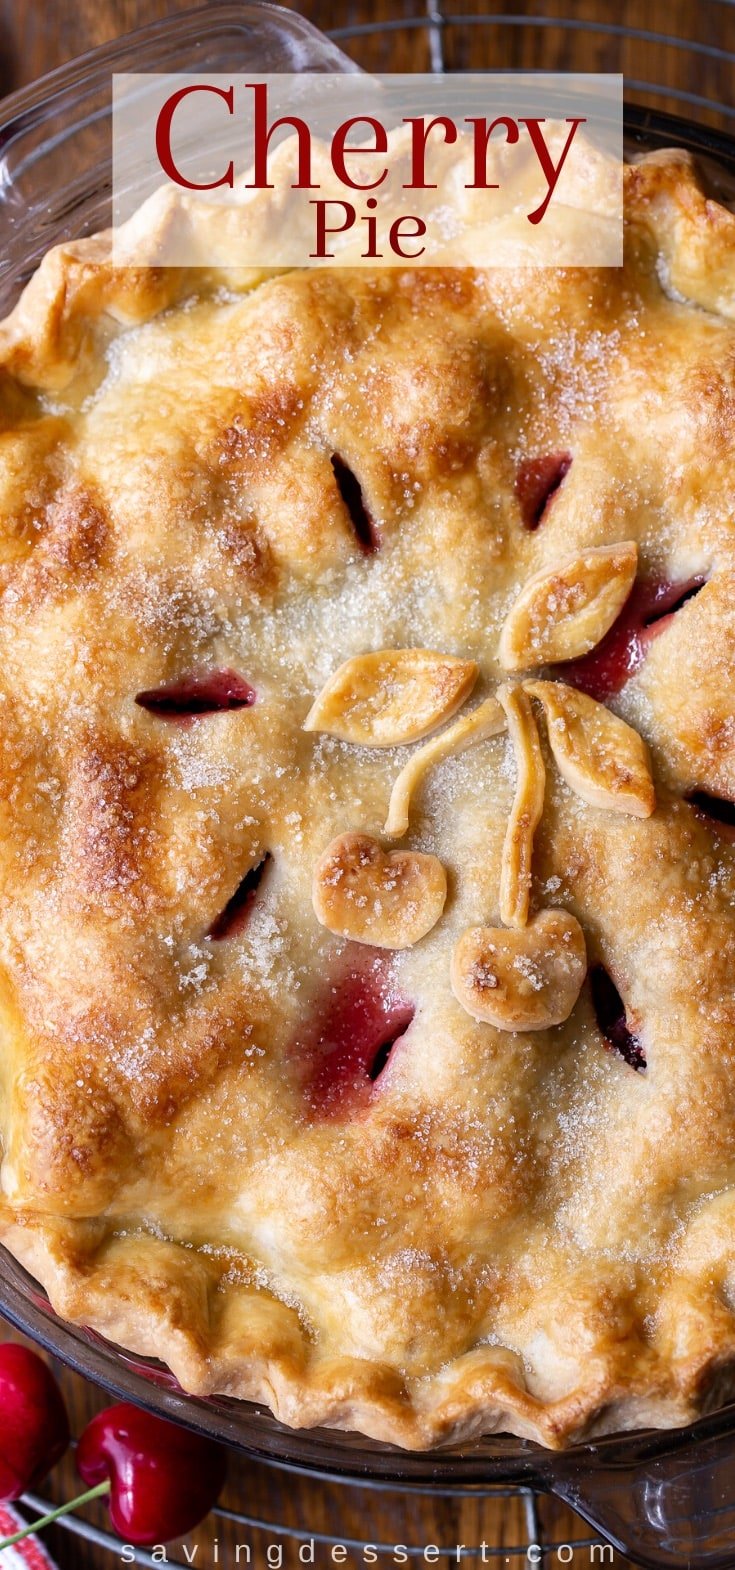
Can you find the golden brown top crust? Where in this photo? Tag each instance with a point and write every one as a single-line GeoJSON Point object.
{"type": "Point", "coordinates": [213, 496]}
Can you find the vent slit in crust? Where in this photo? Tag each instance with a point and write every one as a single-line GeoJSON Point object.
{"type": "Point", "coordinates": [232, 918]}
{"type": "Point", "coordinates": [647, 613]}
{"type": "Point", "coordinates": [612, 1020]}
{"type": "Point", "coordinates": [384, 1050]}
{"type": "Point", "coordinates": [668, 598]}
{"type": "Point", "coordinates": [201, 692]}
{"type": "Point", "coordinates": [537, 483]}
{"type": "Point", "coordinates": [350, 489]}
{"type": "Point", "coordinates": [718, 810]}
{"type": "Point", "coordinates": [354, 1027]}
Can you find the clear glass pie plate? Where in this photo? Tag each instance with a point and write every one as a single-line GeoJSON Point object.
{"type": "Point", "coordinates": [665, 1498]}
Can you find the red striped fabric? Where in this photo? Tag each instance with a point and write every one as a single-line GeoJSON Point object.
{"type": "Point", "coordinates": [28, 1555]}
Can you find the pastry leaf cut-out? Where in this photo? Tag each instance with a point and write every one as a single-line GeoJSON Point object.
{"type": "Point", "coordinates": [563, 613]}
{"type": "Point", "coordinates": [521, 979]}
{"type": "Point", "coordinates": [391, 696]}
{"type": "Point", "coordinates": [487, 720]}
{"type": "Point", "coordinates": [604, 760]}
{"type": "Point", "coordinates": [528, 805]}
{"type": "Point", "coordinates": [389, 899]}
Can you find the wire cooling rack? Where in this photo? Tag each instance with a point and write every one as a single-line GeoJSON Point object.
{"type": "Point", "coordinates": [678, 61]}
{"type": "Point", "coordinates": [536, 1549]}
{"type": "Point", "coordinates": [675, 61]}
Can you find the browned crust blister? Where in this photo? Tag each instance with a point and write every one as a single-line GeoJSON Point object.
{"type": "Point", "coordinates": [513, 1230]}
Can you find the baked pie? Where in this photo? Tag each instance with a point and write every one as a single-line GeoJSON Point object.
{"type": "Point", "coordinates": [367, 769]}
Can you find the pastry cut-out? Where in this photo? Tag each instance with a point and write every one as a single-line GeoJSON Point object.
{"type": "Point", "coordinates": [604, 760]}
{"type": "Point", "coordinates": [487, 720]}
{"type": "Point", "coordinates": [526, 978]}
{"type": "Point", "coordinates": [562, 613]}
{"type": "Point", "coordinates": [388, 898]}
{"type": "Point", "coordinates": [391, 696]}
{"type": "Point", "coordinates": [525, 813]}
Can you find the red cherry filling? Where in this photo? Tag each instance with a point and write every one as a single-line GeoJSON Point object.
{"type": "Point", "coordinates": [201, 692]}
{"type": "Point", "coordinates": [647, 612]}
{"type": "Point", "coordinates": [611, 1018]}
{"type": "Point", "coordinates": [537, 482]}
{"type": "Point", "coordinates": [34, 1428]}
{"type": "Point", "coordinates": [716, 809]}
{"type": "Point", "coordinates": [233, 917]}
{"type": "Point", "coordinates": [355, 1027]}
{"type": "Point", "coordinates": [163, 1479]}
{"type": "Point", "coordinates": [350, 489]}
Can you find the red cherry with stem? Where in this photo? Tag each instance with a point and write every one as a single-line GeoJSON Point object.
{"type": "Point", "coordinates": [34, 1427]}
{"type": "Point", "coordinates": [163, 1479]}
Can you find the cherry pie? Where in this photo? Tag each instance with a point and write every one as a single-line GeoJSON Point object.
{"type": "Point", "coordinates": [367, 769]}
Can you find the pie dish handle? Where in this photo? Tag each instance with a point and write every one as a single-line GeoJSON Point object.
{"type": "Point", "coordinates": [671, 1512]}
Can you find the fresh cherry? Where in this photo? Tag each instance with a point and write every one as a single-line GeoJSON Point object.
{"type": "Point", "coordinates": [34, 1427]}
{"type": "Point", "coordinates": [163, 1479]}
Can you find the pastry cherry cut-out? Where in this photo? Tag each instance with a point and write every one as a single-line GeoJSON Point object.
{"type": "Point", "coordinates": [521, 978]}
{"type": "Point", "coordinates": [716, 809]}
{"type": "Point", "coordinates": [384, 899]}
{"type": "Point", "coordinates": [201, 692]}
{"type": "Point", "coordinates": [612, 1019]}
{"type": "Point", "coordinates": [537, 482]}
{"type": "Point", "coordinates": [350, 489]}
{"type": "Point", "coordinates": [233, 917]}
{"type": "Point", "coordinates": [353, 1031]}
{"type": "Point", "coordinates": [647, 612]}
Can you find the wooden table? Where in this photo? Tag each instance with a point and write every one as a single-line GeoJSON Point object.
{"type": "Point", "coordinates": [36, 35]}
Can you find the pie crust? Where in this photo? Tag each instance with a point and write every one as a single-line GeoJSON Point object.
{"type": "Point", "coordinates": [292, 1163]}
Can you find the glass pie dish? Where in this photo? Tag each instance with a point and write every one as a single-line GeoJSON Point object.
{"type": "Point", "coordinates": [664, 1498]}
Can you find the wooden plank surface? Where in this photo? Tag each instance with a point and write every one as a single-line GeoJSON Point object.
{"type": "Point", "coordinates": [36, 36]}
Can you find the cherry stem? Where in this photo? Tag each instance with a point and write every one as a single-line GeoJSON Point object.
{"type": "Point", "coordinates": [53, 1515]}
